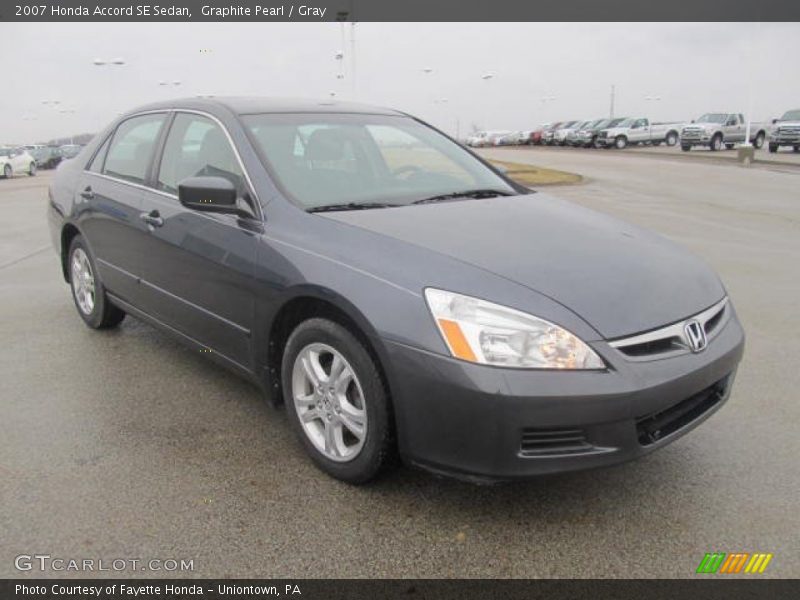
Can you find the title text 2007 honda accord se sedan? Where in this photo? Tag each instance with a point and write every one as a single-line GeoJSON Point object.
{"type": "Point", "coordinates": [400, 295]}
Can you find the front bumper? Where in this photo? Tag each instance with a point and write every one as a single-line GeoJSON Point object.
{"type": "Point", "coordinates": [785, 139]}
{"type": "Point", "coordinates": [485, 423]}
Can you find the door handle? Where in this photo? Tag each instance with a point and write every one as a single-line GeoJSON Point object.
{"type": "Point", "coordinates": [153, 218]}
{"type": "Point", "coordinates": [87, 193]}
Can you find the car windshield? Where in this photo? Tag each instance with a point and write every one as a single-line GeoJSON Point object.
{"type": "Point", "coordinates": [625, 123]}
{"type": "Point", "coordinates": [365, 160]}
{"type": "Point", "coordinates": [712, 118]}
{"type": "Point", "coordinates": [791, 115]}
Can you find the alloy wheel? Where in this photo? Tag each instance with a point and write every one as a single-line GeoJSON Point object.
{"type": "Point", "coordinates": [329, 401]}
{"type": "Point", "coordinates": [82, 281]}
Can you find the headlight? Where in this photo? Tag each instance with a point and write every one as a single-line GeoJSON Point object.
{"type": "Point", "coordinates": [483, 332]}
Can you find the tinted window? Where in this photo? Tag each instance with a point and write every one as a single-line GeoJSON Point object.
{"type": "Point", "coordinates": [197, 146]}
{"type": "Point", "coordinates": [132, 147]}
{"type": "Point", "coordinates": [96, 165]}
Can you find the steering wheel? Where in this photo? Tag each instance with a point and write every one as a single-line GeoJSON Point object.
{"type": "Point", "coordinates": [411, 169]}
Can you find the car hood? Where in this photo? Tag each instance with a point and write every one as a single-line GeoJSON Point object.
{"type": "Point", "coordinates": [619, 278]}
{"type": "Point", "coordinates": [786, 124]}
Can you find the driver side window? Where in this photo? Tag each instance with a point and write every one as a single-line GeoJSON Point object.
{"type": "Point", "coordinates": [197, 146]}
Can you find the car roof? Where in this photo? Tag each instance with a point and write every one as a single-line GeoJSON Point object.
{"type": "Point", "coordinates": [244, 105]}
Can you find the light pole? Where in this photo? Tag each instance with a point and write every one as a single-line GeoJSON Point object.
{"type": "Point", "coordinates": [69, 111]}
{"type": "Point", "coordinates": [112, 62]}
{"type": "Point", "coordinates": [167, 84]}
{"type": "Point", "coordinates": [487, 77]}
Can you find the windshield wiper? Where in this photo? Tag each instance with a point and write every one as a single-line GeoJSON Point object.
{"type": "Point", "coordinates": [350, 206]}
{"type": "Point", "coordinates": [477, 194]}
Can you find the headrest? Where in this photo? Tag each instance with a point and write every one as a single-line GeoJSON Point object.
{"type": "Point", "coordinates": [325, 145]}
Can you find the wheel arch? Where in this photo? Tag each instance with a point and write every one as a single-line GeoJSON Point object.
{"type": "Point", "coordinates": [305, 302]}
{"type": "Point", "coordinates": [68, 233]}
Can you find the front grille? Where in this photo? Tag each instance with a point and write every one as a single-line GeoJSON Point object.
{"type": "Point", "coordinates": [671, 340]}
{"type": "Point", "coordinates": [545, 442]}
{"type": "Point", "coordinates": [654, 427]}
{"type": "Point", "coordinates": [652, 347]}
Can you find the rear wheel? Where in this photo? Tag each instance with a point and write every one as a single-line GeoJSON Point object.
{"type": "Point", "coordinates": [716, 143]}
{"type": "Point", "coordinates": [729, 146]}
{"type": "Point", "coordinates": [32, 169]}
{"type": "Point", "coordinates": [336, 401]}
{"type": "Point", "coordinates": [7, 172]}
{"type": "Point", "coordinates": [87, 290]}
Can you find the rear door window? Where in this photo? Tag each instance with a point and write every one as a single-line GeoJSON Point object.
{"type": "Point", "coordinates": [132, 148]}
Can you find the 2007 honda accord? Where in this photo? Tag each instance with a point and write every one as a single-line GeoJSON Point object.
{"type": "Point", "coordinates": [400, 295]}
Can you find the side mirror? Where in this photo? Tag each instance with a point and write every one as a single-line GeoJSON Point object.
{"type": "Point", "coordinates": [774, 121]}
{"type": "Point", "coordinates": [208, 194]}
{"type": "Point", "coordinates": [692, 120]}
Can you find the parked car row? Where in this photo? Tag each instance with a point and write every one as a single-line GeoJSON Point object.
{"type": "Point", "coordinates": [714, 131]}
{"type": "Point", "coordinates": [18, 160]}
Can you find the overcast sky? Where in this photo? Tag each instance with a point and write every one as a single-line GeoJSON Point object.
{"type": "Point", "coordinates": [692, 68]}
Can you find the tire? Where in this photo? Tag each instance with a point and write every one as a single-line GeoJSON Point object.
{"type": "Point", "coordinates": [7, 172]}
{"type": "Point", "coordinates": [671, 139]}
{"type": "Point", "coordinates": [729, 146]}
{"type": "Point", "coordinates": [620, 142]}
{"type": "Point", "coordinates": [716, 143]}
{"type": "Point", "coordinates": [32, 169]}
{"type": "Point", "coordinates": [365, 457]}
{"type": "Point", "coordinates": [686, 147]}
{"type": "Point", "coordinates": [90, 299]}
{"type": "Point", "coordinates": [773, 148]}
{"type": "Point", "coordinates": [655, 143]}
{"type": "Point", "coordinates": [758, 143]}
{"type": "Point", "coordinates": [796, 148]}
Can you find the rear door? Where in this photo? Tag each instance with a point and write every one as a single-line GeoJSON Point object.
{"type": "Point", "coordinates": [734, 131]}
{"type": "Point", "coordinates": [199, 266]}
{"type": "Point", "coordinates": [109, 203]}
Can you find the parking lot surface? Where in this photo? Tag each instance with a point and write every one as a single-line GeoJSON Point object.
{"type": "Point", "coordinates": [126, 444]}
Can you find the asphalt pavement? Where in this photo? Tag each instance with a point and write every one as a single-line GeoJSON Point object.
{"type": "Point", "coordinates": [125, 444]}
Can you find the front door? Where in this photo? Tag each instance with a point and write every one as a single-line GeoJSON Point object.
{"type": "Point", "coordinates": [198, 268]}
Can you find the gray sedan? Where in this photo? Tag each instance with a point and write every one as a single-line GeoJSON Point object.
{"type": "Point", "coordinates": [399, 295]}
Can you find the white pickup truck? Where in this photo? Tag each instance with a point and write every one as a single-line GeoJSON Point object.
{"type": "Point", "coordinates": [786, 131]}
{"type": "Point", "coordinates": [717, 129]}
{"type": "Point", "coordinates": [638, 130]}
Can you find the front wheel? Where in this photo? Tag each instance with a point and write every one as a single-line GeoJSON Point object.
{"type": "Point", "coordinates": [686, 147]}
{"type": "Point", "coordinates": [716, 143]}
{"type": "Point", "coordinates": [32, 169]}
{"type": "Point", "coordinates": [621, 142]}
{"type": "Point", "coordinates": [87, 290]}
{"type": "Point", "coordinates": [7, 172]}
{"type": "Point", "coordinates": [773, 148]}
{"type": "Point", "coordinates": [729, 146]}
{"type": "Point", "coordinates": [672, 138]}
{"type": "Point", "coordinates": [337, 402]}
